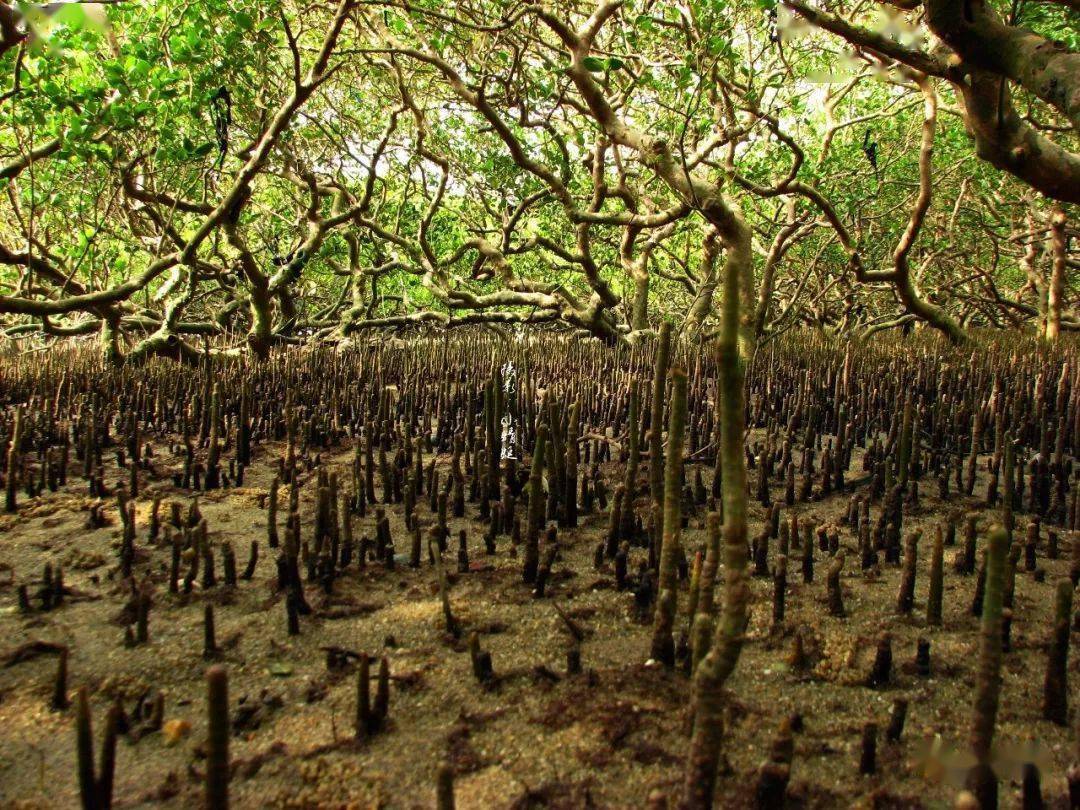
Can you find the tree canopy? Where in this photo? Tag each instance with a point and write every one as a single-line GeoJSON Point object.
{"type": "Point", "coordinates": [229, 176]}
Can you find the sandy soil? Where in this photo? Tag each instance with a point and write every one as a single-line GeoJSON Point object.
{"type": "Point", "coordinates": [613, 736]}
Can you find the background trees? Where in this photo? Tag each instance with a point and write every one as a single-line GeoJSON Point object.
{"type": "Point", "coordinates": [231, 176]}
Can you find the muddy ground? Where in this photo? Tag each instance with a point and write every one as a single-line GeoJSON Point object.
{"type": "Point", "coordinates": [613, 736]}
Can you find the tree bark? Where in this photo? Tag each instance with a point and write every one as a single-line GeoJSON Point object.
{"type": "Point", "coordinates": [1055, 291]}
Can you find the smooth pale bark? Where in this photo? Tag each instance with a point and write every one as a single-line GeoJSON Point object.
{"type": "Point", "coordinates": [985, 54]}
{"type": "Point", "coordinates": [905, 286]}
{"type": "Point", "coordinates": [1055, 292]}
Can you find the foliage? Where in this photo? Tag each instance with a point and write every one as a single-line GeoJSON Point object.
{"type": "Point", "coordinates": [445, 166]}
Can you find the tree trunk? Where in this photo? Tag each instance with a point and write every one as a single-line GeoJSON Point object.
{"type": "Point", "coordinates": [1056, 289]}
{"type": "Point", "coordinates": [639, 317]}
{"type": "Point", "coordinates": [703, 300]}
{"type": "Point", "coordinates": [716, 667]}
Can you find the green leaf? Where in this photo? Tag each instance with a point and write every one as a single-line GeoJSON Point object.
{"type": "Point", "coordinates": [75, 16]}
{"type": "Point", "coordinates": [72, 14]}
{"type": "Point", "coordinates": [114, 72]}
{"type": "Point", "coordinates": [594, 64]}
{"type": "Point", "coordinates": [138, 69]}
{"type": "Point", "coordinates": [614, 63]}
